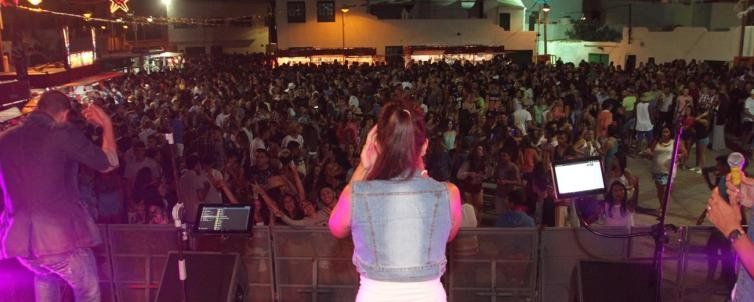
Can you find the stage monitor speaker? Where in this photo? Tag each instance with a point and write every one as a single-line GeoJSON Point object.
{"type": "Point", "coordinates": [601, 281]}
{"type": "Point", "coordinates": [211, 277]}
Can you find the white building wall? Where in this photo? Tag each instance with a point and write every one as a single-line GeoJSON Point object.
{"type": "Point", "coordinates": [365, 30]}
{"type": "Point", "coordinates": [233, 39]}
{"type": "Point", "coordinates": [683, 43]}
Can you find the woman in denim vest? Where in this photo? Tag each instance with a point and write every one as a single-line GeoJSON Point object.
{"type": "Point", "coordinates": [400, 219]}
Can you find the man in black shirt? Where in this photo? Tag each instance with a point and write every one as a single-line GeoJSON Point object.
{"type": "Point", "coordinates": [44, 223]}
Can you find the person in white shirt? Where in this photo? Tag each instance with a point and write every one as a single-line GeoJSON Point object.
{"type": "Point", "coordinates": [467, 245]}
{"type": "Point", "coordinates": [748, 118]}
{"type": "Point", "coordinates": [294, 135]}
{"type": "Point", "coordinates": [138, 161]}
{"type": "Point", "coordinates": [222, 117]}
{"type": "Point", "coordinates": [644, 126]}
{"type": "Point", "coordinates": [666, 102]}
{"type": "Point", "coordinates": [353, 102]}
{"type": "Point", "coordinates": [259, 142]}
{"type": "Point", "coordinates": [614, 210]}
{"type": "Point", "coordinates": [217, 184]}
{"type": "Point", "coordinates": [522, 118]}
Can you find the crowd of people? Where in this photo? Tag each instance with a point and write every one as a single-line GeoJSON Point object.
{"type": "Point", "coordinates": [288, 138]}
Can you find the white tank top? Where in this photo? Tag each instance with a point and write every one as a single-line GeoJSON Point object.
{"type": "Point", "coordinates": [643, 120]}
{"type": "Point", "coordinates": [661, 159]}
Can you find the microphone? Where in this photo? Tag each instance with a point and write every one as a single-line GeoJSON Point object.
{"type": "Point", "coordinates": [178, 211]}
{"type": "Point", "coordinates": [736, 163]}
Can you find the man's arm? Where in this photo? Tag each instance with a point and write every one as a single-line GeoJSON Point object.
{"type": "Point", "coordinates": [96, 115]}
{"type": "Point", "coordinates": [727, 218]}
{"type": "Point", "coordinates": [745, 250]}
{"type": "Point", "coordinates": [80, 148]}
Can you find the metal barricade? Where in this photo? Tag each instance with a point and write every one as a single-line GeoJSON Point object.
{"type": "Point", "coordinates": [561, 249]}
{"type": "Point", "coordinates": [256, 253]}
{"type": "Point", "coordinates": [484, 264]}
{"type": "Point", "coordinates": [493, 265]}
{"type": "Point", "coordinates": [311, 265]}
{"type": "Point", "coordinates": [138, 255]}
{"type": "Point", "coordinates": [641, 249]}
{"type": "Point", "coordinates": [707, 265]}
{"type": "Point", "coordinates": [104, 266]}
{"type": "Point", "coordinates": [258, 260]}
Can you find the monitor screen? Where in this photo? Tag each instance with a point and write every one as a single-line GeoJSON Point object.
{"type": "Point", "coordinates": [220, 218]}
{"type": "Point", "coordinates": [578, 177]}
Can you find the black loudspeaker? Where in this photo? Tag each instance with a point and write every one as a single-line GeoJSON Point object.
{"type": "Point", "coordinates": [601, 281]}
{"type": "Point", "coordinates": [211, 277]}
{"type": "Point", "coordinates": [14, 92]}
{"type": "Point", "coordinates": [630, 62]}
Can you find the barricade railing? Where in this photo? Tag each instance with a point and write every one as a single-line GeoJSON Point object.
{"type": "Point", "coordinates": [311, 265]}
{"type": "Point", "coordinates": [484, 264]}
{"type": "Point", "coordinates": [493, 265]}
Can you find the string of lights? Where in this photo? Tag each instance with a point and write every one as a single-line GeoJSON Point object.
{"type": "Point", "coordinates": [147, 20]}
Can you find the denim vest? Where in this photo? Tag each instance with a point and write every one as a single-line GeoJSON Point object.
{"type": "Point", "coordinates": [744, 289]}
{"type": "Point", "coordinates": [400, 229]}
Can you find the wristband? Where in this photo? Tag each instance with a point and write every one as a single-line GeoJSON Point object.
{"type": "Point", "coordinates": [734, 235]}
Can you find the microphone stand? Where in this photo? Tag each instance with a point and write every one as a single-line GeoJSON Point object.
{"type": "Point", "coordinates": [659, 231]}
{"type": "Point", "coordinates": [178, 213]}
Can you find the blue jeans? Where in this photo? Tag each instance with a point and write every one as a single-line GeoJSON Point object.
{"type": "Point", "coordinates": [77, 268]}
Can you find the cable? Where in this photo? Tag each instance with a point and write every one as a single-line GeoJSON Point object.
{"type": "Point", "coordinates": [588, 227]}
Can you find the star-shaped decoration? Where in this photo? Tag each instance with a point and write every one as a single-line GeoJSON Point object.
{"type": "Point", "coordinates": [116, 5]}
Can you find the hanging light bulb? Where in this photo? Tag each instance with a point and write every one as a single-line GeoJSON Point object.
{"type": "Point", "coordinates": [149, 19]}
{"type": "Point", "coordinates": [103, 27]}
{"type": "Point", "coordinates": [125, 26]}
{"type": "Point", "coordinates": [87, 16]}
{"type": "Point", "coordinates": [34, 2]}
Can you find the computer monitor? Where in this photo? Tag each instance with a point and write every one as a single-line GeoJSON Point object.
{"type": "Point", "coordinates": [580, 177]}
{"type": "Point", "coordinates": [223, 218]}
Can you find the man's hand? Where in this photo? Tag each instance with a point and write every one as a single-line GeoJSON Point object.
{"type": "Point", "coordinates": [95, 115]}
{"type": "Point", "coordinates": [726, 217]}
{"type": "Point", "coordinates": [744, 192]}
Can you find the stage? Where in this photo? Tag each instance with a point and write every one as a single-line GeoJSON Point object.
{"type": "Point", "coordinates": [485, 264]}
{"type": "Point", "coordinates": [53, 76]}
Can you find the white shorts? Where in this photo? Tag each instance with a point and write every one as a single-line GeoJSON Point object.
{"type": "Point", "coordinates": [385, 291]}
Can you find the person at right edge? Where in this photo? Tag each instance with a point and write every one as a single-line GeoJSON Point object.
{"type": "Point", "coordinates": [44, 223]}
{"type": "Point", "coordinates": [726, 216]}
{"type": "Point", "coordinates": [400, 219]}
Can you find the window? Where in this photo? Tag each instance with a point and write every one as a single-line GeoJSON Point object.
{"type": "Point", "coordinates": [599, 58]}
{"type": "Point", "coordinates": [533, 20]}
{"type": "Point", "coordinates": [505, 21]}
{"type": "Point", "coordinates": [296, 12]}
{"type": "Point", "coordinates": [242, 22]}
{"type": "Point", "coordinates": [326, 11]}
